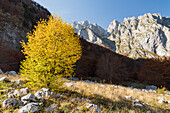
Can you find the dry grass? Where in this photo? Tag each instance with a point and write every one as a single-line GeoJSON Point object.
{"type": "Point", "coordinates": [114, 98]}
{"type": "Point", "coordinates": [110, 98]}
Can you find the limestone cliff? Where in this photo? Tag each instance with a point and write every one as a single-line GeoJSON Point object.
{"type": "Point", "coordinates": [147, 36]}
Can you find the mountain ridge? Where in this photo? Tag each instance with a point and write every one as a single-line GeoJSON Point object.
{"type": "Point", "coordinates": [147, 36]}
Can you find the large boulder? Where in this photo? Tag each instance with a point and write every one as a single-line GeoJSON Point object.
{"type": "Point", "coordinates": [46, 92]}
{"type": "Point", "coordinates": [11, 103]}
{"type": "Point", "coordinates": [31, 107]}
{"type": "Point", "coordinates": [13, 73]}
{"type": "Point", "coordinates": [28, 98]}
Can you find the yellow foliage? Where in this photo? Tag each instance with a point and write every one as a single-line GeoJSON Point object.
{"type": "Point", "coordinates": [51, 52]}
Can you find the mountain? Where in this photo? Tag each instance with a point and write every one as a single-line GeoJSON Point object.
{"type": "Point", "coordinates": [93, 33]}
{"type": "Point", "coordinates": [147, 36]}
{"type": "Point", "coordinates": [17, 17]}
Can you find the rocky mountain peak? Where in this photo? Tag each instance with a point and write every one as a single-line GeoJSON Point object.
{"type": "Point", "coordinates": [145, 36]}
{"type": "Point", "coordinates": [93, 33]}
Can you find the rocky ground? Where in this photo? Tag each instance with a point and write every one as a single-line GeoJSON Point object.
{"type": "Point", "coordinates": [80, 96]}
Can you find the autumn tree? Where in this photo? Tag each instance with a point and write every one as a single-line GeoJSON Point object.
{"type": "Point", "coordinates": [51, 52]}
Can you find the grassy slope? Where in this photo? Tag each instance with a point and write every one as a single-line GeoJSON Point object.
{"type": "Point", "coordinates": [107, 97]}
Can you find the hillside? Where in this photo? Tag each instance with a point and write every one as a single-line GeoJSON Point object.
{"type": "Point", "coordinates": [101, 63]}
{"type": "Point", "coordinates": [17, 17]}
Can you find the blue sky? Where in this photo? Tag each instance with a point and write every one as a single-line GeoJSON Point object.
{"type": "Point", "coordinates": [103, 12]}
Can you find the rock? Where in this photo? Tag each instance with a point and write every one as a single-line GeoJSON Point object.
{"type": "Point", "coordinates": [138, 105]}
{"type": "Point", "coordinates": [18, 82]}
{"type": "Point", "coordinates": [1, 72]}
{"type": "Point", "coordinates": [88, 81]}
{"type": "Point", "coordinates": [115, 86]}
{"type": "Point", "coordinates": [160, 100]}
{"type": "Point", "coordinates": [129, 97]}
{"type": "Point", "coordinates": [70, 84]}
{"type": "Point", "coordinates": [11, 103]}
{"type": "Point", "coordinates": [87, 100]}
{"type": "Point", "coordinates": [52, 108]}
{"type": "Point", "coordinates": [30, 107]}
{"type": "Point", "coordinates": [28, 98]}
{"type": "Point", "coordinates": [24, 91]}
{"type": "Point", "coordinates": [46, 92]}
{"type": "Point", "coordinates": [11, 73]}
{"type": "Point", "coordinates": [137, 101]}
{"type": "Point", "coordinates": [73, 78]}
{"type": "Point", "coordinates": [4, 79]}
{"type": "Point", "coordinates": [93, 106]}
{"type": "Point", "coordinates": [13, 94]}
{"type": "Point", "coordinates": [152, 87]}
{"type": "Point", "coordinates": [148, 112]}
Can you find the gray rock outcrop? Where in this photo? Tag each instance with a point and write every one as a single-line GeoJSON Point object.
{"type": "Point", "coordinates": [31, 107]}
{"type": "Point", "coordinates": [11, 103]}
{"type": "Point", "coordinates": [93, 33]}
{"type": "Point", "coordinates": [145, 36]}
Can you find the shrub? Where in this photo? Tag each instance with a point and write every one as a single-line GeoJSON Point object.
{"type": "Point", "coordinates": [51, 52]}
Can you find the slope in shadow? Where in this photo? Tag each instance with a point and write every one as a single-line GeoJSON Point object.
{"type": "Point", "coordinates": [104, 64]}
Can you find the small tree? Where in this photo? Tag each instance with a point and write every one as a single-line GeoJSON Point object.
{"type": "Point", "coordinates": [51, 52]}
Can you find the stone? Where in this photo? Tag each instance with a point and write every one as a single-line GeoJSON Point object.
{"type": "Point", "coordinates": [11, 73]}
{"type": "Point", "coordinates": [137, 101]}
{"type": "Point", "coordinates": [69, 84]}
{"type": "Point", "coordinates": [88, 81]}
{"type": "Point", "coordinates": [46, 92]}
{"type": "Point", "coordinates": [18, 82]}
{"type": "Point", "coordinates": [13, 94]}
{"type": "Point", "coordinates": [87, 100]}
{"type": "Point", "coordinates": [148, 112]}
{"type": "Point", "coordinates": [160, 99]}
{"type": "Point", "coordinates": [129, 97]}
{"type": "Point", "coordinates": [52, 108]}
{"type": "Point", "coordinates": [11, 103]}
{"type": "Point", "coordinates": [1, 72]}
{"type": "Point", "coordinates": [152, 87]}
{"type": "Point", "coordinates": [138, 105]}
{"type": "Point", "coordinates": [24, 91]}
{"type": "Point", "coordinates": [30, 107]}
{"type": "Point", "coordinates": [73, 78]}
{"type": "Point", "coordinates": [28, 98]}
{"type": "Point", "coordinates": [93, 106]}
{"type": "Point", "coordinates": [4, 79]}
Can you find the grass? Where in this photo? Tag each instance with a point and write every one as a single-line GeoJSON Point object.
{"type": "Point", "coordinates": [110, 98]}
